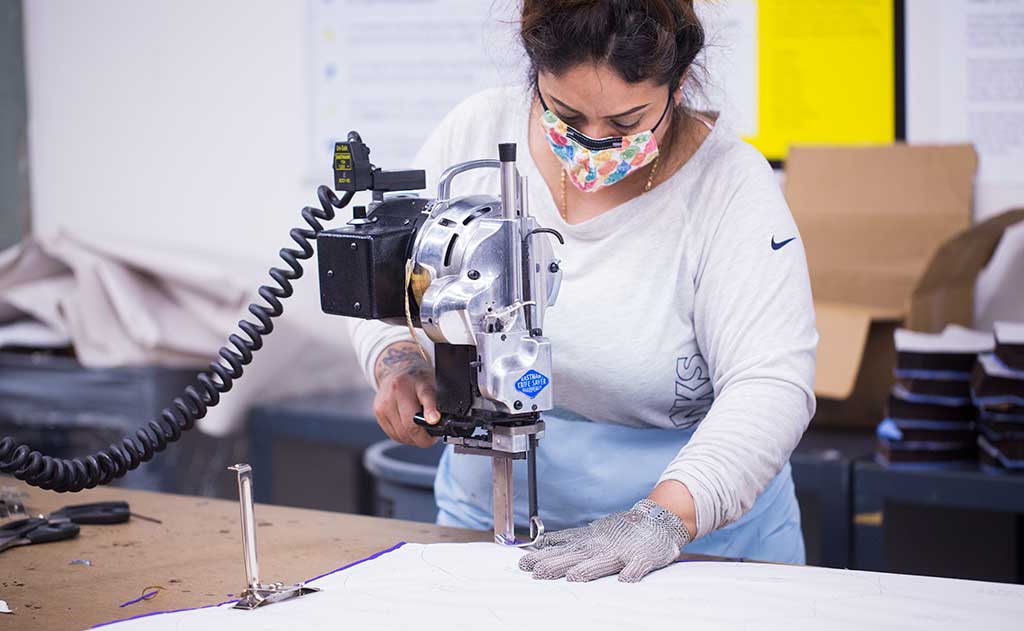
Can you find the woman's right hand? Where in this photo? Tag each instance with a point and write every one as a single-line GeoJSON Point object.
{"type": "Point", "coordinates": [405, 385]}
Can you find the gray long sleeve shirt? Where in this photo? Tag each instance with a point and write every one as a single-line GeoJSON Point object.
{"type": "Point", "coordinates": [687, 306]}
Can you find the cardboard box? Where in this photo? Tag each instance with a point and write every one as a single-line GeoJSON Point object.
{"type": "Point", "coordinates": [871, 219]}
{"type": "Point", "coordinates": [945, 294]}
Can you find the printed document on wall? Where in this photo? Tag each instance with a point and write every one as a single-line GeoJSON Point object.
{"type": "Point", "coordinates": [393, 69]}
{"type": "Point", "coordinates": [966, 80]}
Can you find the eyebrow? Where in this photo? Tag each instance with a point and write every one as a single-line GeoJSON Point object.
{"type": "Point", "coordinates": [572, 110]}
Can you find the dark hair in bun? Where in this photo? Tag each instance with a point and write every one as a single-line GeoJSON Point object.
{"type": "Point", "coordinates": [640, 39]}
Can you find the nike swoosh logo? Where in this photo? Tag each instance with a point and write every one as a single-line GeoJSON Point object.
{"type": "Point", "coordinates": [778, 246]}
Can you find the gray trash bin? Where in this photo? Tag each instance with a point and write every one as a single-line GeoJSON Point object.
{"type": "Point", "coordinates": [404, 477]}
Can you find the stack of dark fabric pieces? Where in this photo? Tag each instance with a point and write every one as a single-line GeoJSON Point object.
{"type": "Point", "coordinates": [998, 389]}
{"type": "Point", "coordinates": [931, 421]}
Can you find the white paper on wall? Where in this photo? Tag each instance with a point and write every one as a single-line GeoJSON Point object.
{"type": "Point", "coordinates": [449, 587]}
{"type": "Point", "coordinates": [965, 80]}
{"type": "Point", "coordinates": [392, 70]}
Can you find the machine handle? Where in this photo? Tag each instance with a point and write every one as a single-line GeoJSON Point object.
{"type": "Point", "coordinates": [447, 426]}
{"type": "Point", "coordinates": [444, 184]}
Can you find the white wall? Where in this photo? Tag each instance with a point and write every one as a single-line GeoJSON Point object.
{"type": "Point", "coordinates": [180, 127]}
{"type": "Point", "coordinates": [174, 124]}
{"type": "Point", "coordinates": [183, 125]}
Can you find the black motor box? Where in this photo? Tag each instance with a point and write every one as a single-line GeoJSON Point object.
{"type": "Point", "coordinates": [362, 266]}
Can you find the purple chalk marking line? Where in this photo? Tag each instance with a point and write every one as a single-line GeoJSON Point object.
{"type": "Point", "coordinates": [160, 613]}
{"type": "Point", "coordinates": [722, 560]}
{"type": "Point", "coordinates": [140, 598]}
{"type": "Point", "coordinates": [355, 563]}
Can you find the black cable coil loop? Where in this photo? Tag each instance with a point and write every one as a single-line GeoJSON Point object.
{"type": "Point", "coordinates": [75, 474]}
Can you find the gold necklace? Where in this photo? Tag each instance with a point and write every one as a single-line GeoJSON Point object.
{"type": "Point", "coordinates": [564, 207]}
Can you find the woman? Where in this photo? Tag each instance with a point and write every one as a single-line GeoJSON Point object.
{"type": "Point", "coordinates": [683, 338]}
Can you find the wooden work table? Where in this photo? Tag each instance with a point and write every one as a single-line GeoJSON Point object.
{"type": "Point", "coordinates": [195, 555]}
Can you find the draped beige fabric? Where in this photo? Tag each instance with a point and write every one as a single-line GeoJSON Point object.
{"type": "Point", "coordinates": [134, 306]}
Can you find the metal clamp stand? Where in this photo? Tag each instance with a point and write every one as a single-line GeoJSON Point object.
{"type": "Point", "coordinates": [257, 594]}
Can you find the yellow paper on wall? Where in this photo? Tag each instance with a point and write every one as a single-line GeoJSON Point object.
{"type": "Point", "coordinates": [825, 73]}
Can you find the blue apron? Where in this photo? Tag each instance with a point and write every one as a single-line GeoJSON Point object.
{"type": "Point", "coordinates": [586, 470]}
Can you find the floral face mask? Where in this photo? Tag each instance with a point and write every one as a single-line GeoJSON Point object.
{"type": "Point", "coordinates": [593, 163]}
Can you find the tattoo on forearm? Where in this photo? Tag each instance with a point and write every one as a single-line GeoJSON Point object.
{"type": "Point", "coordinates": [401, 357]}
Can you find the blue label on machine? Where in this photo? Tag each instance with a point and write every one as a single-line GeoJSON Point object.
{"type": "Point", "coordinates": [532, 383]}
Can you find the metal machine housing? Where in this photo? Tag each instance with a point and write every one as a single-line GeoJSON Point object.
{"type": "Point", "coordinates": [476, 274]}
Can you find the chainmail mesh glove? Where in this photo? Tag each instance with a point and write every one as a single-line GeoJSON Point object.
{"type": "Point", "coordinates": [633, 544]}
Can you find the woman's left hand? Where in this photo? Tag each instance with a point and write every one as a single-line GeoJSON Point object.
{"type": "Point", "coordinates": [631, 544]}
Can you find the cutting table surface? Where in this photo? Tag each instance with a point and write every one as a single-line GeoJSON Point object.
{"type": "Point", "coordinates": [195, 555]}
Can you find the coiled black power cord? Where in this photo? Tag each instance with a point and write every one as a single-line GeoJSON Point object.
{"type": "Point", "coordinates": [75, 474]}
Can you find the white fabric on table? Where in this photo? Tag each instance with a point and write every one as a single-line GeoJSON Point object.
{"type": "Point", "coordinates": [475, 586]}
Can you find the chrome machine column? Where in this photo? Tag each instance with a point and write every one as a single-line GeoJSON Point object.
{"type": "Point", "coordinates": [490, 282]}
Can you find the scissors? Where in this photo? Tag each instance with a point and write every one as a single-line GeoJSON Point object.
{"type": "Point", "coordinates": [95, 513]}
{"type": "Point", "coordinates": [62, 523]}
{"type": "Point", "coordinates": [35, 530]}
{"type": "Point", "coordinates": [116, 512]}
